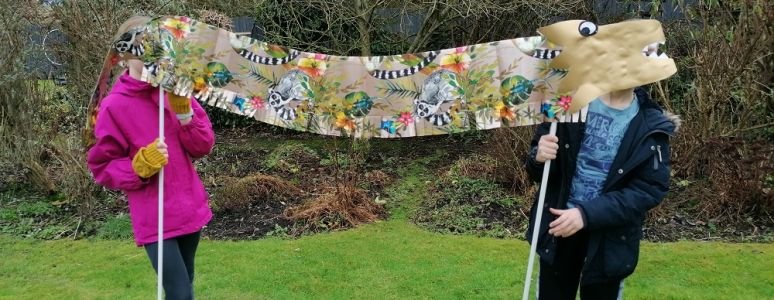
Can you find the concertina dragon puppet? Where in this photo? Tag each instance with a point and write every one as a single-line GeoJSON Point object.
{"type": "Point", "coordinates": [506, 83]}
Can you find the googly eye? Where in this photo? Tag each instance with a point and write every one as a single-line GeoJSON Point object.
{"type": "Point", "coordinates": [587, 28]}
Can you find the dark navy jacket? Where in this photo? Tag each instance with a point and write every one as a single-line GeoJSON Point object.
{"type": "Point", "coordinates": [638, 180]}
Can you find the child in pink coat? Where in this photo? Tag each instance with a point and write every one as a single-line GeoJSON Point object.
{"type": "Point", "coordinates": [127, 156]}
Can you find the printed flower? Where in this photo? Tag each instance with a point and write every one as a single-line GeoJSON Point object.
{"type": "Point", "coordinates": [199, 84]}
{"type": "Point", "coordinates": [257, 102]}
{"type": "Point", "coordinates": [389, 126]}
{"type": "Point", "coordinates": [342, 121]}
{"type": "Point", "coordinates": [504, 111]}
{"type": "Point", "coordinates": [564, 102]}
{"type": "Point", "coordinates": [114, 59]}
{"type": "Point", "coordinates": [457, 61]}
{"type": "Point", "coordinates": [548, 110]}
{"type": "Point", "coordinates": [239, 102]}
{"type": "Point", "coordinates": [178, 27]}
{"type": "Point", "coordinates": [556, 105]}
{"type": "Point", "coordinates": [405, 118]}
{"type": "Point", "coordinates": [313, 66]}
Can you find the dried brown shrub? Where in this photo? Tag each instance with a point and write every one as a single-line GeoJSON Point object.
{"type": "Point", "coordinates": [256, 189]}
{"type": "Point", "coordinates": [737, 172]}
{"type": "Point", "coordinates": [509, 147]}
{"type": "Point", "coordinates": [343, 207]}
{"type": "Point", "coordinates": [722, 155]}
{"type": "Point", "coordinates": [475, 166]}
{"type": "Point", "coordinates": [377, 179]}
{"type": "Point", "coordinates": [215, 18]}
{"type": "Point", "coordinates": [292, 157]}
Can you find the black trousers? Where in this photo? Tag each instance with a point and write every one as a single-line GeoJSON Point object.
{"type": "Point", "coordinates": [560, 280]}
{"type": "Point", "coordinates": [179, 254]}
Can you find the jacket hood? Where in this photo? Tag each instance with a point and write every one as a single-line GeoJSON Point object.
{"type": "Point", "coordinates": [655, 116]}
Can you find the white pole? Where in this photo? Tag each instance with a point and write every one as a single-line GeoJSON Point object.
{"type": "Point", "coordinates": [160, 243]}
{"type": "Point", "coordinates": [538, 217]}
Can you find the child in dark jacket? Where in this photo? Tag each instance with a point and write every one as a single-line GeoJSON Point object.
{"type": "Point", "coordinates": [605, 176]}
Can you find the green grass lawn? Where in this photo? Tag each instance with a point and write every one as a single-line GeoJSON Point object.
{"type": "Point", "coordinates": [387, 260]}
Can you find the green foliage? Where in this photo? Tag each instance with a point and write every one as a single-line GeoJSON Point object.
{"type": "Point", "coordinates": [721, 48]}
{"type": "Point", "coordinates": [279, 231]}
{"type": "Point", "coordinates": [335, 158]}
{"type": "Point", "coordinates": [35, 209]}
{"type": "Point", "coordinates": [29, 215]}
{"type": "Point", "coordinates": [291, 157]}
{"type": "Point", "coordinates": [462, 205]}
{"type": "Point", "coordinates": [118, 227]}
{"type": "Point", "coordinates": [221, 118]}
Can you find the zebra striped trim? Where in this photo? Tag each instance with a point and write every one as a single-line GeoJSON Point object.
{"type": "Point", "coordinates": [286, 113]}
{"type": "Point", "coordinates": [152, 68]}
{"type": "Point", "coordinates": [439, 119]}
{"type": "Point", "coordinates": [546, 53]}
{"type": "Point", "coordinates": [268, 60]}
{"type": "Point", "coordinates": [137, 50]}
{"type": "Point", "coordinates": [394, 74]}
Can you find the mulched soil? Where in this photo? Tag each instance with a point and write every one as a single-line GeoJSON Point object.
{"type": "Point", "coordinates": [680, 225]}
{"type": "Point", "coordinates": [385, 156]}
{"type": "Point", "coordinates": [250, 224]}
{"type": "Point", "coordinates": [259, 219]}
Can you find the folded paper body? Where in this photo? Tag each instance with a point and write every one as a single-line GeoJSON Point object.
{"type": "Point", "coordinates": [484, 86]}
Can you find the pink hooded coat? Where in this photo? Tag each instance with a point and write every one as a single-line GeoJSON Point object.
{"type": "Point", "coordinates": [128, 120]}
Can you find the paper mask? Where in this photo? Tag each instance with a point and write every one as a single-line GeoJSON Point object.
{"type": "Point", "coordinates": [602, 59]}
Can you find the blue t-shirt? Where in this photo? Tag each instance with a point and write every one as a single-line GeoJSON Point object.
{"type": "Point", "coordinates": [605, 128]}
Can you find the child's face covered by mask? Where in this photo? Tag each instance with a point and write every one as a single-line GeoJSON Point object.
{"type": "Point", "coordinates": [603, 59]}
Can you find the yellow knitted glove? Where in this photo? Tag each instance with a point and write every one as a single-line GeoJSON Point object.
{"type": "Point", "coordinates": [180, 105]}
{"type": "Point", "coordinates": [148, 161]}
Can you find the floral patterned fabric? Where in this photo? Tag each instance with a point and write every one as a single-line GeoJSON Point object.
{"type": "Point", "coordinates": [483, 86]}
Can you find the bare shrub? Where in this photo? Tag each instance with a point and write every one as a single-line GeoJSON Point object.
{"type": "Point", "coordinates": [24, 135]}
{"type": "Point", "coordinates": [377, 179]}
{"type": "Point", "coordinates": [377, 27]}
{"type": "Point", "coordinates": [475, 166]}
{"type": "Point", "coordinates": [509, 147]}
{"type": "Point", "coordinates": [723, 92]}
{"type": "Point", "coordinates": [342, 207]}
{"type": "Point", "coordinates": [257, 189]}
{"type": "Point", "coordinates": [215, 18]}
{"type": "Point", "coordinates": [292, 158]}
{"type": "Point", "coordinates": [737, 175]}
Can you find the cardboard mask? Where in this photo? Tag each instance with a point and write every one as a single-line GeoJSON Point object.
{"type": "Point", "coordinates": [602, 59]}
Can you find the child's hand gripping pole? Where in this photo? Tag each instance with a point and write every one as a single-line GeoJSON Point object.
{"type": "Point", "coordinates": [538, 217]}
{"type": "Point", "coordinates": [556, 106]}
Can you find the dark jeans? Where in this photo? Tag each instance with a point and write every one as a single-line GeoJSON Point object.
{"type": "Point", "coordinates": [179, 254]}
{"type": "Point", "coordinates": [560, 280]}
